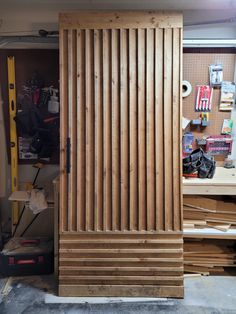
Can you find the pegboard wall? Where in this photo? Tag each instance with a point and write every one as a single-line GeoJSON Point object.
{"type": "Point", "coordinates": [196, 71]}
{"type": "Point", "coordinates": [27, 61]}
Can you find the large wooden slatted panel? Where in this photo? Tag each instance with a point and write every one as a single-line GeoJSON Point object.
{"type": "Point", "coordinates": [120, 146]}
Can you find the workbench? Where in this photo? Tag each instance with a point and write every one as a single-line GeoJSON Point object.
{"type": "Point", "coordinates": [223, 183]}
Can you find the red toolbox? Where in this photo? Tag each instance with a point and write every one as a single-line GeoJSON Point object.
{"type": "Point", "coordinates": [27, 256]}
{"type": "Point", "coordinates": [219, 144]}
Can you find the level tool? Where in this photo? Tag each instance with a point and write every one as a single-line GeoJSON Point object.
{"type": "Point", "coordinates": [13, 134]}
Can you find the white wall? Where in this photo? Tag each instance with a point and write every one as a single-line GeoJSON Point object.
{"type": "Point", "coordinates": [212, 31]}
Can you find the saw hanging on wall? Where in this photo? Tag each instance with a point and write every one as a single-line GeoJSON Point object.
{"type": "Point", "coordinates": [204, 98]}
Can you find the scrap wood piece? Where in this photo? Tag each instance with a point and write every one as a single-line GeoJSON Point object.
{"type": "Point", "coordinates": [201, 201]}
{"type": "Point", "coordinates": [227, 221]}
{"type": "Point", "coordinates": [195, 222]}
{"type": "Point", "coordinates": [203, 265]}
{"type": "Point", "coordinates": [7, 287]}
{"type": "Point", "coordinates": [219, 226]}
{"type": "Point", "coordinates": [209, 256]}
{"type": "Point", "coordinates": [199, 218]}
{"type": "Point", "coordinates": [196, 269]}
{"type": "Point", "coordinates": [188, 226]}
{"type": "Point", "coordinates": [191, 207]}
{"type": "Point", "coordinates": [192, 275]}
{"type": "Point", "coordinates": [194, 215]}
{"type": "Point", "coordinates": [211, 203]}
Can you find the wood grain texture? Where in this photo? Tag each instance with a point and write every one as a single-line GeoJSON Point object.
{"type": "Point", "coordinates": [121, 203]}
{"type": "Point", "coordinates": [115, 107]}
{"type": "Point", "coordinates": [81, 132]}
{"type": "Point", "coordinates": [142, 160]}
{"type": "Point", "coordinates": [124, 129]}
{"type": "Point", "coordinates": [133, 128]}
{"type": "Point", "coordinates": [125, 146]}
{"type": "Point", "coordinates": [159, 128]}
{"type": "Point", "coordinates": [120, 19]}
{"type": "Point", "coordinates": [176, 130]}
{"type": "Point", "coordinates": [63, 129]}
{"type": "Point", "coordinates": [150, 130]}
{"type": "Point", "coordinates": [168, 129]}
{"type": "Point", "coordinates": [121, 291]}
{"type": "Point", "coordinates": [72, 129]}
{"type": "Point", "coordinates": [56, 193]}
{"type": "Point", "coordinates": [107, 132]}
{"type": "Point", "coordinates": [98, 84]}
{"type": "Point", "coordinates": [121, 259]}
{"type": "Point", "coordinates": [89, 103]}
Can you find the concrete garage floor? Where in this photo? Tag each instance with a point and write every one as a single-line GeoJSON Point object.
{"type": "Point", "coordinates": [36, 294]}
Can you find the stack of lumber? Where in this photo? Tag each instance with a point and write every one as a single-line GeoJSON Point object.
{"type": "Point", "coordinates": [209, 256]}
{"type": "Point", "coordinates": [205, 212]}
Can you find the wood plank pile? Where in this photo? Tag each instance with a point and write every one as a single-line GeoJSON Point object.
{"type": "Point", "coordinates": [205, 212]}
{"type": "Point", "coordinates": [209, 256]}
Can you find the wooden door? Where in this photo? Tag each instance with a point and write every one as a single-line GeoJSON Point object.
{"type": "Point", "coordinates": [120, 224]}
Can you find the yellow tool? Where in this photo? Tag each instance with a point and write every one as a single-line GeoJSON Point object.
{"type": "Point", "coordinates": [13, 134]}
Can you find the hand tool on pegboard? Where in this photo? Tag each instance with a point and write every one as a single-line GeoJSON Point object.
{"type": "Point", "coordinates": [204, 98]}
{"type": "Point", "coordinates": [13, 134]}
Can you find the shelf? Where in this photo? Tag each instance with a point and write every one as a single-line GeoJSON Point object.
{"type": "Point", "coordinates": [210, 233]}
{"type": "Point", "coordinates": [24, 196]}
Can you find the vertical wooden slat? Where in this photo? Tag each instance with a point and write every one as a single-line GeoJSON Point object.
{"type": "Point", "coordinates": [124, 107]}
{"type": "Point", "coordinates": [70, 176]}
{"type": "Point", "coordinates": [74, 131]}
{"type": "Point", "coordinates": [115, 105]}
{"type": "Point", "coordinates": [89, 131]}
{"type": "Point", "coordinates": [141, 131]}
{"type": "Point", "coordinates": [81, 144]}
{"type": "Point", "coordinates": [159, 136]}
{"type": "Point", "coordinates": [63, 129]}
{"type": "Point", "coordinates": [107, 204]}
{"type": "Point", "coordinates": [180, 128]}
{"type": "Point", "coordinates": [72, 128]}
{"type": "Point", "coordinates": [133, 130]}
{"type": "Point", "coordinates": [98, 131]}
{"type": "Point", "coordinates": [150, 129]}
{"type": "Point", "coordinates": [168, 191]}
{"type": "Point", "coordinates": [176, 129]}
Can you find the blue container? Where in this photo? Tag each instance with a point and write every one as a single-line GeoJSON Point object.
{"type": "Point", "coordinates": [188, 140]}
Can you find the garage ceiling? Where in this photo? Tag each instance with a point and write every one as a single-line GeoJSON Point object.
{"type": "Point", "coordinates": [158, 4]}
{"type": "Point", "coordinates": [26, 17]}
{"type": "Point", "coordinates": [194, 10]}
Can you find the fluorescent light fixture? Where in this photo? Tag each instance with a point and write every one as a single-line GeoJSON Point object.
{"type": "Point", "coordinates": [209, 42]}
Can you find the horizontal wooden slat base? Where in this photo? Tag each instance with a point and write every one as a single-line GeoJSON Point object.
{"type": "Point", "coordinates": [121, 291]}
{"type": "Point", "coordinates": [121, 264]}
